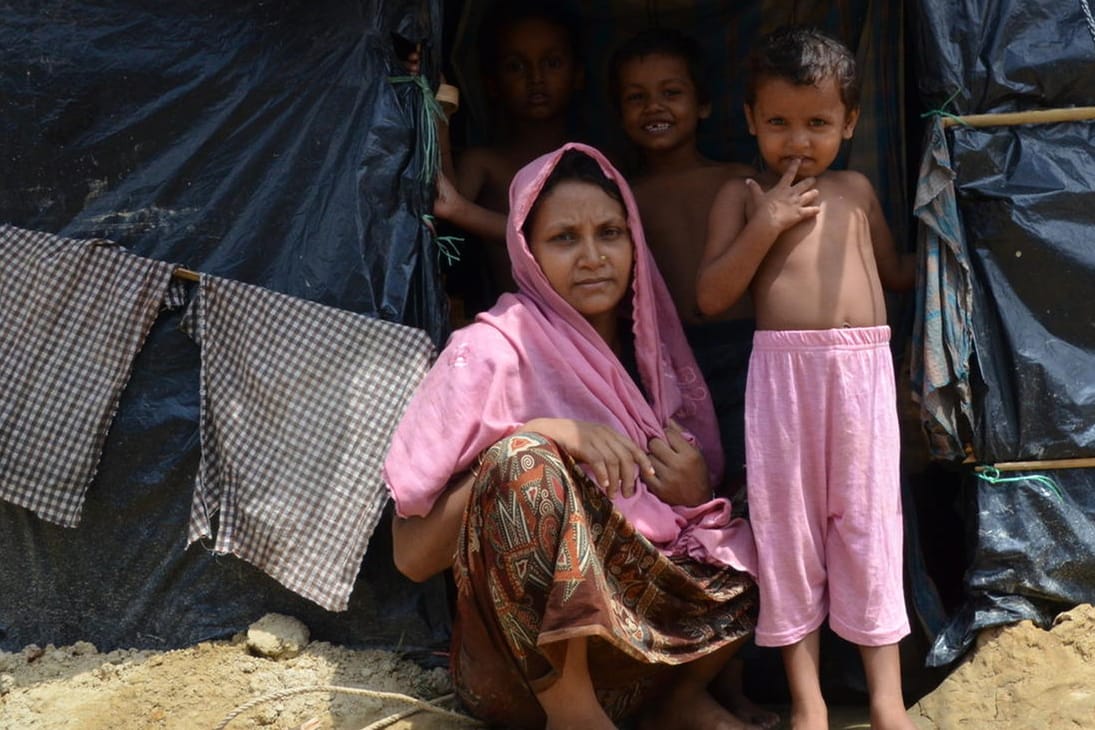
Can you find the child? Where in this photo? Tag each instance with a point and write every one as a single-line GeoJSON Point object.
{"type": "Point", "coordinates": [529, 56]}
{"type": "Point", "coordinates": [657, 84]}
{"type": "Point", "coordinates": [812, 248]}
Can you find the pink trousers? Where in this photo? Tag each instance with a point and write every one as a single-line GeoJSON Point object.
{"type": "Point", "coordinates": [822, 456]}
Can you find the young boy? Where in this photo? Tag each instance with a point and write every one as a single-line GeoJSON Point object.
{"type": "Point", "coordinates": [812, 248]}
{"type": "Point", "coordinates": [657, 83]}
{"type": "Point", "coordinates": [529, 56]}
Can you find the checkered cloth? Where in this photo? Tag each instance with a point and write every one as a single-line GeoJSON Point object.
{"type": "Point", "coordinates": [73, 315]}
{"type": "Point", "coordinates": [298, 404]}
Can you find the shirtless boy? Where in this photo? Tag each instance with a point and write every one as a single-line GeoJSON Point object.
{"type": "Point", "coordinates": [658, 85]}
{"type": "Point", "coordinates": [529, 56]}
{"type": "Point", "coordinates": [811, 246]}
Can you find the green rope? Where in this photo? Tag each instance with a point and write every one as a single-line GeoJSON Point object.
{"type": "Point", "coordinates": [942, 110]}
{"type": "Point", "coordinates": [448, 247]}
{"type": "Point", "coordinates": [428, 113]}
{"type": "Point", "coordinates": [992, 475]}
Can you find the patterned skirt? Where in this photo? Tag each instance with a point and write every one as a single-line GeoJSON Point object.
{"type": "Point", "coordinates": [543, 558]}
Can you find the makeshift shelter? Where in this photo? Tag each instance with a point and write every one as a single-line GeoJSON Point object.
{"type": "Point", "coordinates": [277, 144]}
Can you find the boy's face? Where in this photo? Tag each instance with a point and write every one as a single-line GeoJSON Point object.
{"type": "Point", "coordinates": [659, 106]}
{"type": "Point", "coordinates": [806, 122]}
{"type": "Point", "coordinates": [537, 73]}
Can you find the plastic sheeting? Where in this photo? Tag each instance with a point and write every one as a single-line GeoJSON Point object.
{"type": "Point", "coordinates": [1027, 210]}
{"type": "Point", "coordinates": [258, 141]}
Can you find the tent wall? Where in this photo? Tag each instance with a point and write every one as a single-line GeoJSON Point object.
{"type": "Point", "coordinates": [1026, 211]}
{"type": "Point", "coordinates": [258, 141]}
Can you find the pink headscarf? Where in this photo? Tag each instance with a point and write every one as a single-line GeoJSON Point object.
{"type": "Point", "coordinates": [532, 355]}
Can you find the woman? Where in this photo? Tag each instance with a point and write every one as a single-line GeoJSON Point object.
{"type": "Point", "coordinates": [559, 457]}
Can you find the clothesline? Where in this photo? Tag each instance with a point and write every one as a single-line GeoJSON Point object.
{"type": "Point", "coordinates": [1037, 116]}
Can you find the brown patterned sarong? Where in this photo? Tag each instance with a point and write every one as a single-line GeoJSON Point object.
{"type": "Point", "coordinates": [543, 558]}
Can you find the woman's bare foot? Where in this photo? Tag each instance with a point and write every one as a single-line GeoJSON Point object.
{"type": "Point", "coordinates": [748, 711]}
{"type": "Point", "coordinates": [728, 690]}
{"type": "Point", "coordinates": [699, 711]}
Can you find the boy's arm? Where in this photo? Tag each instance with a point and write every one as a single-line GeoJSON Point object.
{"type": "Point", "coordinates": [896, 270]}
{"type": "Point", "coordinates": [722, 277]}
{"type": "Point", "coordinates": [456, 201]}
{"type": "Point", "coordinates": [737, 243]}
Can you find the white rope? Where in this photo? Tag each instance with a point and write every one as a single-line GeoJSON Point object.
{"type": "Point", "coordinates": [419, 705]}
{"type": "Point", "coordinates": [1090, 19]}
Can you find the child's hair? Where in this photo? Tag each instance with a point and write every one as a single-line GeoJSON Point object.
{"type": "Point", "coordinates": [578, 166]}
{"type": "Point", "coordinates": [660, 41]}
{"type": "Point", "coordinates": [803, 56]}
{"type": "Point", "coordinates": [502, 15]}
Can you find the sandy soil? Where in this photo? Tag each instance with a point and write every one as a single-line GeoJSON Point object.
{"type": "Point", "coordinates": [1017, 677]}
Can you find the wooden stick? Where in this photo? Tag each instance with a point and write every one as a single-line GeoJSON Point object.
{"type": "Point", "coordinates": [1037, 116]}
{"type": "Point", "coordinates": [1081, 463]}
{"type": "Point", "coordinates": [186, 274]}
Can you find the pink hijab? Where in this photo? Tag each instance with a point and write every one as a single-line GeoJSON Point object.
{"type": "Point", "coordinates": [532, 356]}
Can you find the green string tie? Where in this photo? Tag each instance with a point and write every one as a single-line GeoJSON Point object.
{"type": "Point", "coordinates": [992, 475]}
{"type": "Point", "coordinates": [942, 111]}
{"type": "Point", "coordinates": [448, 247]}
{"type": "Point", "coordinates": [427, 130]}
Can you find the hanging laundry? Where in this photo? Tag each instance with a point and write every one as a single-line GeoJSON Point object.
{"type": "Point", "coordinates": [298, 404]}
{"type": "Point", "coordinates": [74, 313]}
{"type": "Point", "coordinates": [943, 329]}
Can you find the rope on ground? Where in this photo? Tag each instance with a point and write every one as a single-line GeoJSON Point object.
{"type": "Point", "coordinates": [419, 705]}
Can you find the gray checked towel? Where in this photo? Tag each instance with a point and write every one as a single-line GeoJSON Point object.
{"type": "Point", "coordinates": [298, 405]}
{"type": "Point", "coordinates": [74, 314]}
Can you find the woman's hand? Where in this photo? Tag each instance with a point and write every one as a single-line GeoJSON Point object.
{"type": "Point", "coordinates": [680, 472]}
{"type": "Point", "coordinates": [612, 456]}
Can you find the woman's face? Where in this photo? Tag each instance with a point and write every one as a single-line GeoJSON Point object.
{"type": "Point", "coordinates": [579, 236]}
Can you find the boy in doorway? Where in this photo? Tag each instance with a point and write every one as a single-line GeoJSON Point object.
{"type": "Point", "coordinates": [657, 82]}
{"type": "Point", "coordinates": [531, 61]}
{"type": "Point", "coordinates": [812, 248]}
{"type": "Point", "coordinates": [658, 85]}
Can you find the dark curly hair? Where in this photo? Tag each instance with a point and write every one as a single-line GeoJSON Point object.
{"type": "Point", "coordinates": [803, 55]}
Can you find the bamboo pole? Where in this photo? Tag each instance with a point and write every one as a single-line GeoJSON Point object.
{"type": "Point", "coordinates": [1037, 116]}
{"type": "Point", "coordinates": [1081, 463]}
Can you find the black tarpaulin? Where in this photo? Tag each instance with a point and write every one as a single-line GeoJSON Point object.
{"type": "Point", "coordinates": [1025, 201]}
{"type": "Point", "coordinates": [257, 141]}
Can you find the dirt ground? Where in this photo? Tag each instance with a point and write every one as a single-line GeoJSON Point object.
{"type": "Point", "coordinates": [1017, 677]}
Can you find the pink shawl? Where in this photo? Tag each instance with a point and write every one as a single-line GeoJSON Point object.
{"type": "Point", "coordinates": [532, 355]}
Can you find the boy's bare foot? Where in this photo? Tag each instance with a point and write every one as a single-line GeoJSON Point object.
{"type": "Point", "coordinates": [891, 718]}
{"type": "Point", "coordinates": [810, 717]}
